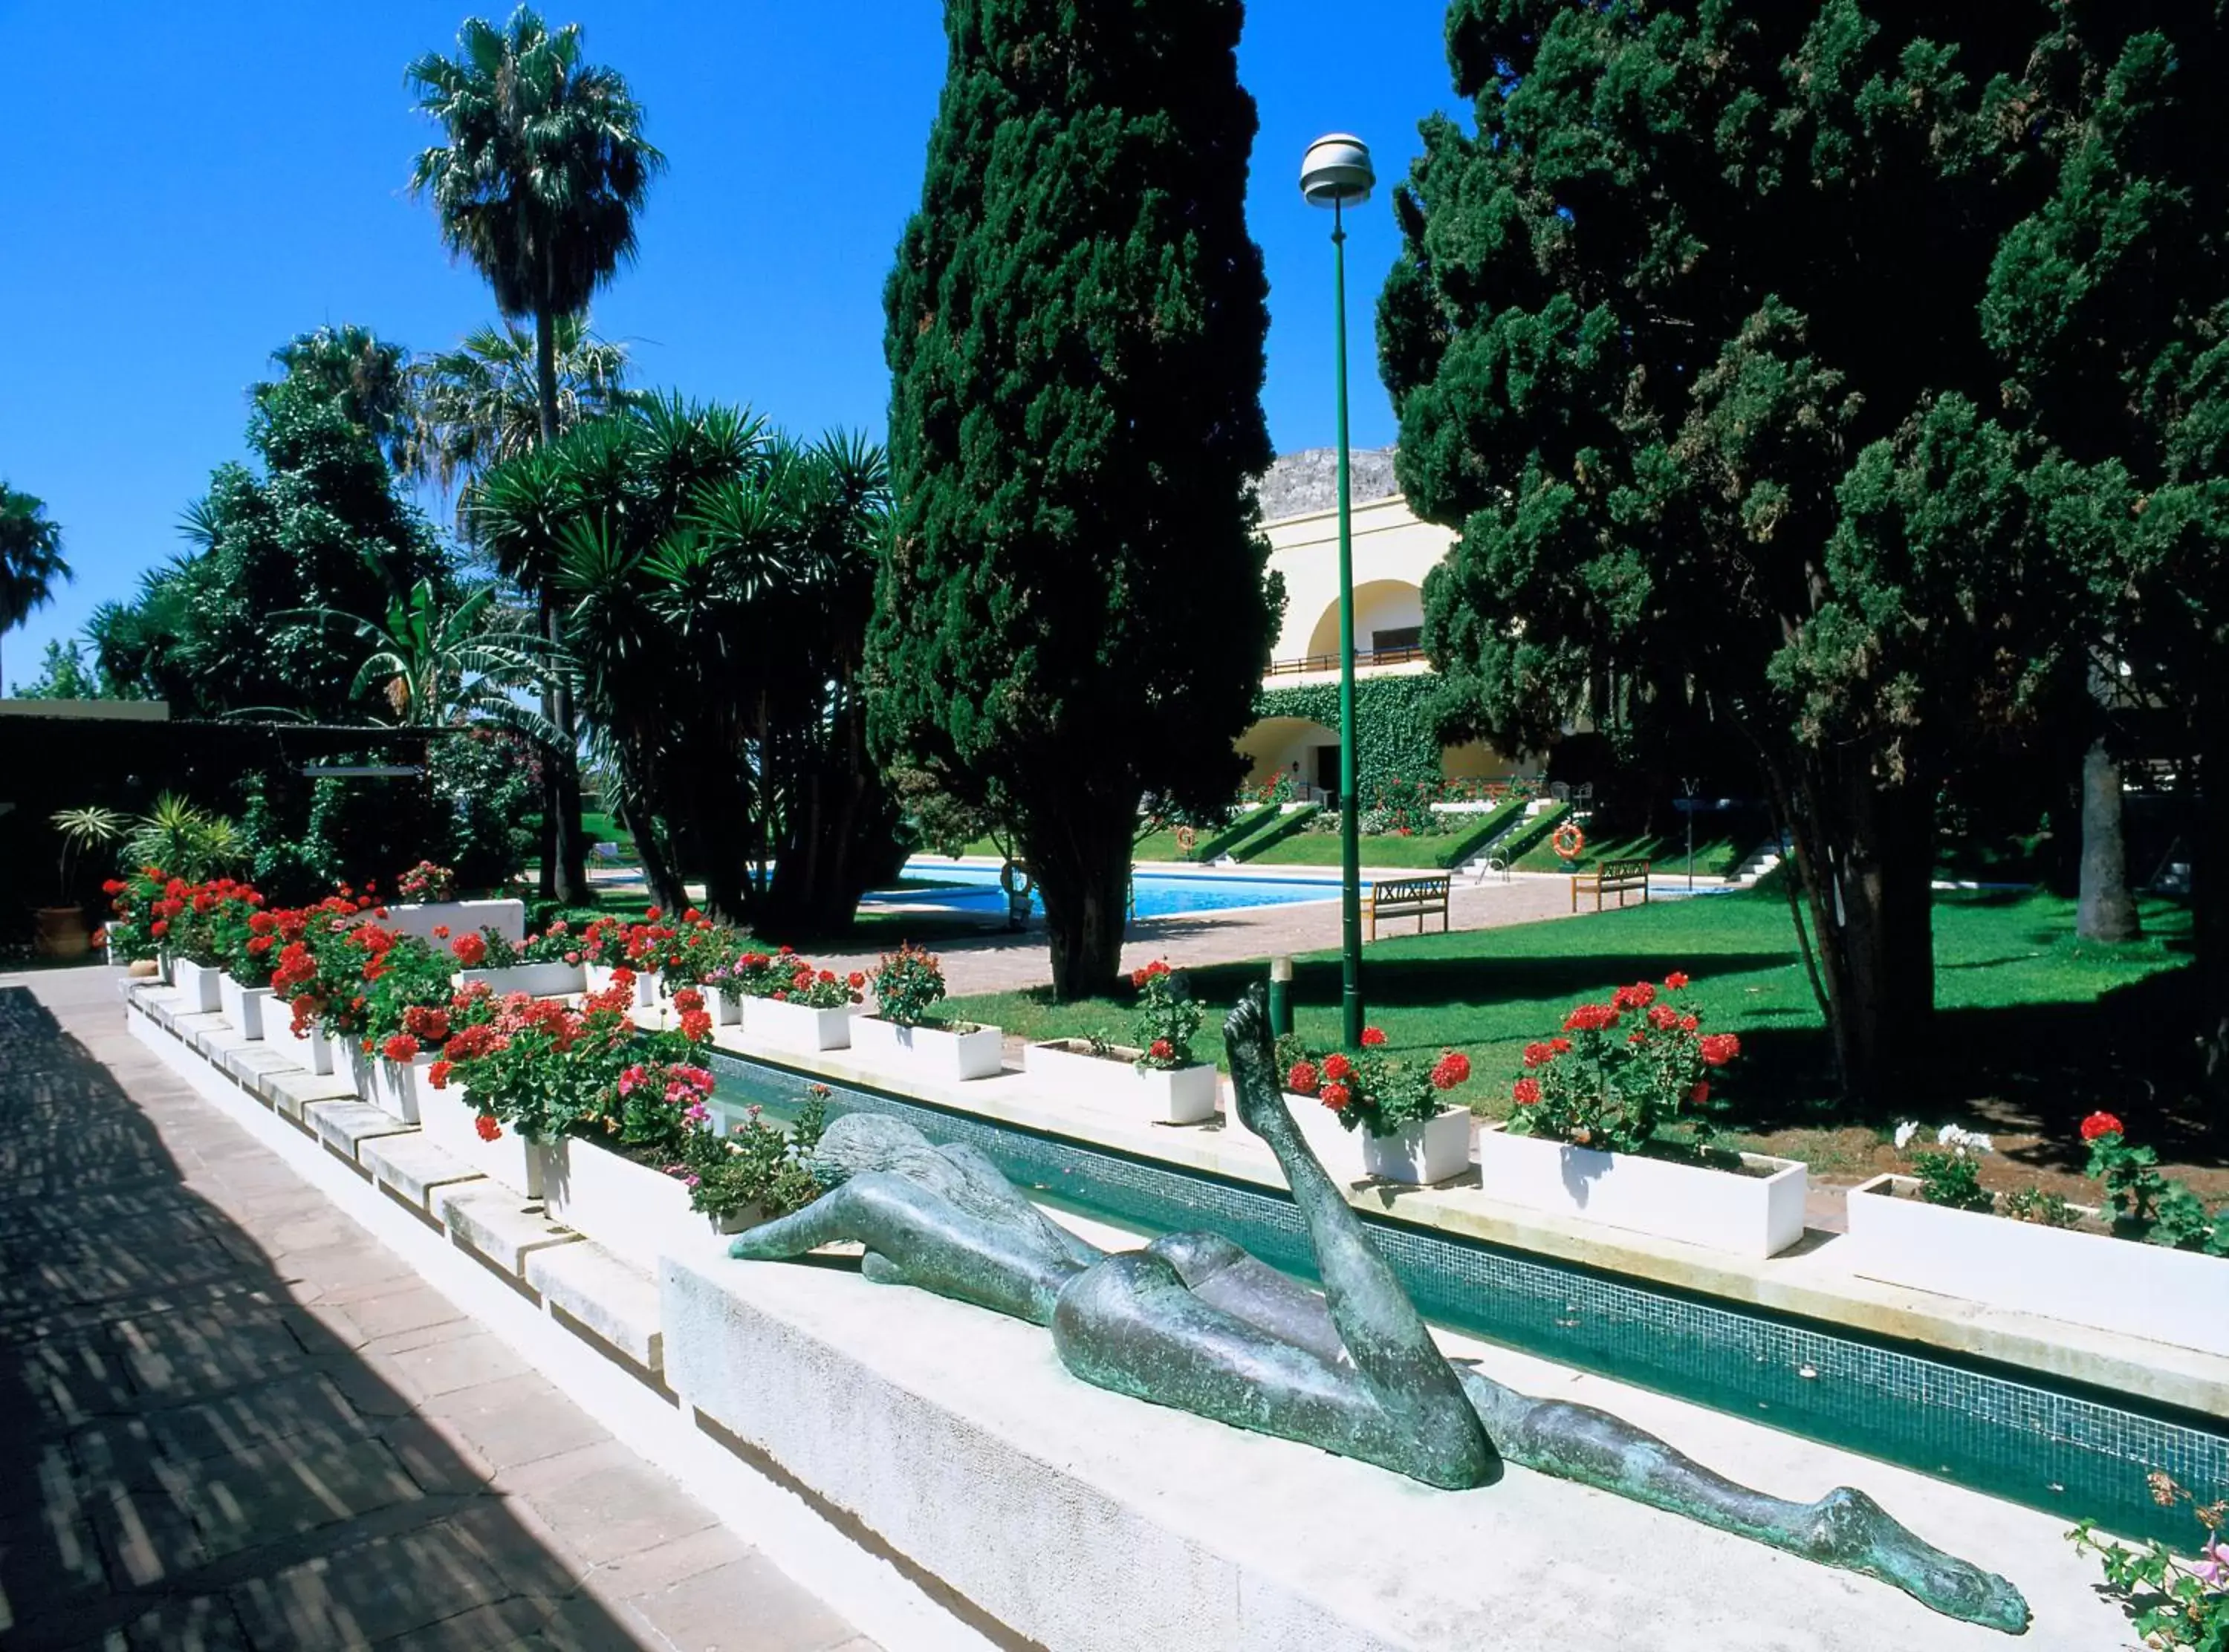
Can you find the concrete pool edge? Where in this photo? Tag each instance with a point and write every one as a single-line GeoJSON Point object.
{"type": "Point", "coordinates": [1803, 1284]}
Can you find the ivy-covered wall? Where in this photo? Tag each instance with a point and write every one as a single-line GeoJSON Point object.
{"type": "Point", "coordinates": [1394, 738]}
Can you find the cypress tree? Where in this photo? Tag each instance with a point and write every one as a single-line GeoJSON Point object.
{"type": "Point", "coordinates": [1075, 614]}
{"type": "Point", "coordinates": [1687, 341]}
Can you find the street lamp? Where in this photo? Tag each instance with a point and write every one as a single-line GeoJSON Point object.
{"type": "Point", "coordinates": [1336, 173]}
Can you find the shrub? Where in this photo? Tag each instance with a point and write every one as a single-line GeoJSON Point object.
{"type": "Point", "coordinates": [1168, 1019]}
{"type": "Point", "coordinates": [906, 983]}
{"type": "Point", "coordinates": [1619, 1071]}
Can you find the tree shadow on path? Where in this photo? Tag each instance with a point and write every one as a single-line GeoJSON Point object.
{"type": "Point", "coordinates": [189, 1460]}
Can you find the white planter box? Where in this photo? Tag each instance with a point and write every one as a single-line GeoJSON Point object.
{"type": "Point", "coordinates": [599, 979]}
{"type": "Point", "coordinates": [196, 986]}
{"type": "Point", "coordinates": [1337, 1149]}
{"type": "Point", "coordinates": [1751, 1215]}
{"type": "Point", "coordinates": [448, 1118]}
{"type": "Point", "coordinates": [932, 1052]}
{"type": "Point", "coordinates": [506, 918]}
{"type": "Point", "coordinates": [796, 1027]}
{"type": "Point", "coordinates": [2114, 1285]}
{"type": "Point", "coordinates": [536, 980]}
{"type": "Point", "coordinates": [243, 1007]}
{"type": "Point", "coordinates": [391, 1087]}
{"type": "Point", "coordinates": [1436, 1150]}
{"type": "Point", "coordinates": [1069, 1070]}
{"type": "Point", "coordinates": [636, 1212]}
{"type": "Point", "coordinates": [313, 1052]}
{"type": "Point", "coordinates": [726, 1009]}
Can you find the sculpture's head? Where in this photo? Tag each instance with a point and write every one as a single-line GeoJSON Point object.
{"type": "Point", "coordinates": [857, 1142]}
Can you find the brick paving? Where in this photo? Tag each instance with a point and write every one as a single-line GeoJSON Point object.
{"type": "Point", "coordinates": [229, 1418]}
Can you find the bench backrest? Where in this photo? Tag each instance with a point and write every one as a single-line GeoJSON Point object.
{"type": "Point", "coordinates": [1387, 891]}
{"type": "Point", "coordinates": [1622, 871]}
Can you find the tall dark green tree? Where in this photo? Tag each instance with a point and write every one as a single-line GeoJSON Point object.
{"type": "Point", "coordinates": [1076, 613]}
{"type": "Point", "coordinates": [539, 185]}
{"type": "Point", "coordinates": [1686, 340]}
{"type": "Point", "coordinates": [2109, 307]}
{"type": "Point", "coordinates": [362, 375]}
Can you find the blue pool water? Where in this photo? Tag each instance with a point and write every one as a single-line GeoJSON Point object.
{"type": "Point", "coordinates": [1159, 894]}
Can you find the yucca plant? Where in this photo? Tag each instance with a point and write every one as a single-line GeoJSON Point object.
{"type": "Point", "coordinates": [82, 831]}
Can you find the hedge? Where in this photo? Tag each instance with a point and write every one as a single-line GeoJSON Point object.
{"type": "Point", "coordinates": [1209, 847]}
{"type": "Point", "coordinates": [1276, 831]}
{"type": "Point", "coordinates": [1395, 738]}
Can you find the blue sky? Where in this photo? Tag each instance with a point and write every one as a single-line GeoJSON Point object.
{"type": "Point", "coordinates": [202, 182]}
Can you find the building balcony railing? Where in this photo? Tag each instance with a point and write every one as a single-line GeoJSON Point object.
{"type": "Point", "coordinates": [1363, 657]}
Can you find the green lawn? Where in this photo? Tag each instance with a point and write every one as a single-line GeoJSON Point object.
{"type": "Point", "coordinates": [1321, 849]}
{"type": "Point", "coordinates": [1716, 858]}
{"type": "Point", "coordinates": [2032, 1023]}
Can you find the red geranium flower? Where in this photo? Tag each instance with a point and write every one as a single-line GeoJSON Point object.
{"type": "Point", "coordinates": [1161, 1049]}
{"type": "Point", "coordinates": [1719, 1049]}
{"type": "Point", "coordinates": [1676, 981]}
{"type": "Point", "coordinates": [1372, 1037]}
{"type": "Point", "coordinates": [1452, 1068]}
{"type": "Point", "coordinates": [1525, 1092]}
{"type": "Point", "coordinates": [1337, 1066]}
{"type": "Point", "coordinates": [695, 1026]}
{"type": "Point", "coordinates": [688, 1000]}
{"type": "Point", "coordinates": [1336, 1097]}
{"type": "Point", "coordinates": [401, 1047]}
{"type": "Point", "coordinates": [438, 1074]}
{"type": "Point", "coordinates": [2099, 1125]}
{"type": "Point", "coordinates": [1702, 1092]}
{"type": "Point", "coordinates": [489, 1129]}
{"type": "Point", "coordinates": [1302, 1080]}
{"type": "Point", "coordinates": [1590, 1018]}
{"type": "Point", "coordinates": [471, 950]}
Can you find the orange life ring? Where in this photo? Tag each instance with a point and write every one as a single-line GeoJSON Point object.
{"type": "Point", "coordinates": [1186, 838]}
{"type": "Point", "coordinates": [1568, 841]}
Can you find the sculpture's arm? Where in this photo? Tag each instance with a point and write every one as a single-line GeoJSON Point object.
{"type": "Point", "coordinates": [1378, 1327]}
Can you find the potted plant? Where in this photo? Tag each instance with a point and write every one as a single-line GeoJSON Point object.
{"type": "Point", "coordinates": [1159, 1077]}
{"type": "Point", "coordinates": [316, 981]}
{"type": "Point", "coordinates": [611, 950]}
{"type": "Point", "coordinates": [699, 957]}
{"type": "Point", "coordinates": [189, 912]}
{"type": "Point", "coordinates": [2153, 1262]}
{"type": "Point", "coordinates": [427, 901]}
{"type": "Point", "coordinates": [1408, 1132]}
{"type": "Point", "coordinates": [247, 942]}
{"type": "Point", "coordinates": [516, 1072]}
{"type": "Point", "coordinates": [61, 931]}
{"type": "Point", "coordinates": [403, 1007]}
{"type": "Point", "coordinates": [791, 1005]}
{"type": "Point", "coordinates": [547, 965]}
{"type": "Point", "coordinates": [1584, 1138]}
{"type": "Point", "coordinates": [908, 984]}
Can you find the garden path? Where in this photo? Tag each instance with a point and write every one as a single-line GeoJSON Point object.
{"type": "Point", "coordinates": [231, 1420]}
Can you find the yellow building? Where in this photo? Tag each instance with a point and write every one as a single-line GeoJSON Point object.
{"type": "Point", "coordinates": [1393, 552]}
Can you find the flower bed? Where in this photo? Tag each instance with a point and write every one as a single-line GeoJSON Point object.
{"type": "Point", "coordinates": [1408, 1133]}
{"type": "Point", "coordinates": [1758, 1215]}
{"type": "Point", "coordinates": [542, 966]}
{"type": "Point", "coordinates": [908, 983]}
{"type": "Point", "coordinates": [242, 1007]}
{"type": "Point", "coordinates": [1159, 1079]}
{"type": "Point", "coordinates": [796, 1027]}
{"type": "Point", "coordinates": [2154, 1263]}
{"type": "Point", "coordinates": [637, 1211]}
{"type": "Point", "coordinates": [2085, 1279]}
{"type": "Point", "coordinates": [1107, 1075]}
{"type": "Point", "coordinates": [453, 1123]}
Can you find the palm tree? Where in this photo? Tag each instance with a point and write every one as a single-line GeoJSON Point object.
{"type": "Point", "coordinates": [441, 664]}
{"type": "Point", "coordinates": [31, 563]}
{"type": "Point", "coordinates": [481, 404]}
{"type": "Point", "coordinates": [545, 169]}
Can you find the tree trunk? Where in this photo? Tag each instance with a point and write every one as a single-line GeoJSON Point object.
{"type": "Point", "coordinates": [1083, 875]}
{"type": "Point", "coordinates": [2105, 910]}
{"type": "Point", "coordinates": [1865, 853]}
{"type": "Point", "coordinates": [569, 849]}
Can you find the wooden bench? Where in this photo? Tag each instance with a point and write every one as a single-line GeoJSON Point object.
{"type": "Point", "coordinates": [1612, 877]}
{"type": "Point", "coordinates": [1418, 898]}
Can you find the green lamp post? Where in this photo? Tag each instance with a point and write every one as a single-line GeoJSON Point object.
{"type": "Point", "coordinates": [1336, 173]}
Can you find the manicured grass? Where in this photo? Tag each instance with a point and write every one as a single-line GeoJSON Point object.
{"type": "Point", "coordinates": [1321, 849]}
{"type": "Point", "coordinates": [2033, 1025]}
{"type": "Point", "coordinates": [1716, 858]}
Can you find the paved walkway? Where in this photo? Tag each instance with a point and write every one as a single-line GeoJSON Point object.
{"type": "Point", "coordinates": [231, 1420]}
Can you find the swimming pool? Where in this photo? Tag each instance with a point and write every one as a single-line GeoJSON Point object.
{"type": "Point", "coordinates": [1159, 894]}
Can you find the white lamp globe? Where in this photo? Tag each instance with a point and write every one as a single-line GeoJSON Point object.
{"type": "Point", "coordinates": [1336, 171]}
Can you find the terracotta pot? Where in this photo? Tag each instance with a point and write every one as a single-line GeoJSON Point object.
{"type": "Point", "coordinates": [62, 932]}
